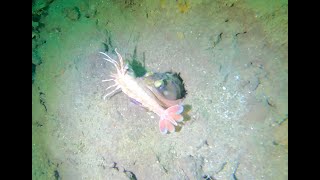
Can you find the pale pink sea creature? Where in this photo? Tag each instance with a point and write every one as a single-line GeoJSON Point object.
{"type": "Point", "coordinates": [136, 89]}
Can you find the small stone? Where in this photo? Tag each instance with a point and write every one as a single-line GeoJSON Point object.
{"type": "Point", "coordinates": [281, 134]}
{"type": "Point", "coordinates": [254, 83]}
{"type": "Point", "coordinates": [35, 24]}
{"type": "Point", "coordinates": [34, 35]}
{"type": "Point", "coordinates": [36, 59]}
{"type": "Point", "coordinates": [91, 12]}
{"type": "Point", "coordinates": [33, 72]}
{"type": "Point", "coordinates": [271, 102]}
{"type": "Point", "coordinates": [73, 13]}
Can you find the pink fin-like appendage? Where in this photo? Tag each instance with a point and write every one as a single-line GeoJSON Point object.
{"type": "Point", "coordinates": [177, 117]}
{"type": "Point", "coordinates": [169, 119]}
{"type": "Point", "coordinates": [177, 109]}
{"type": "Point", "coordinates": [162, 127]}
{"type": "Point", "coordinates": [165, 126]}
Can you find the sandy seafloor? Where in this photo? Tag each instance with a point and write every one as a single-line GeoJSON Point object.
{"type": "Point", "coordinates": [232, 56]}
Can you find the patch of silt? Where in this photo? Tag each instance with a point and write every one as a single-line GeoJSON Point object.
{"type": "Point", "coordinates": [274, 17]}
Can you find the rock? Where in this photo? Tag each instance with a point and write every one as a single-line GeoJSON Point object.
{"type": "Point", "coordinates": [281, 134]}
{"type": "Point", "coordinates": [35, 24]}
{"type": "Point", "coordinates": [91, 12]}
{"type": "Point", "coordinates": [271, 102]}
{"type": "Point", "coordinates": [192, 167]}
{"type": "Point", "coordinates": [34, 42]}
{"type": "Point", "coordinates": [33, 72]}
{"type": "Point", "coordinates": [35, 35]}
{"type": "Point", "coordinates": [250, 84]}
{"type": "Point", "coordinates": [73, 13]}
{"type": "Point", "coordinates": [36, 59]}
{"type": "Point", "coordinates": [253, 83]}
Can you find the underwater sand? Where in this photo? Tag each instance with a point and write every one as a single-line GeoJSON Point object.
{"type": "Point", "coordinates": [232, 56]}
